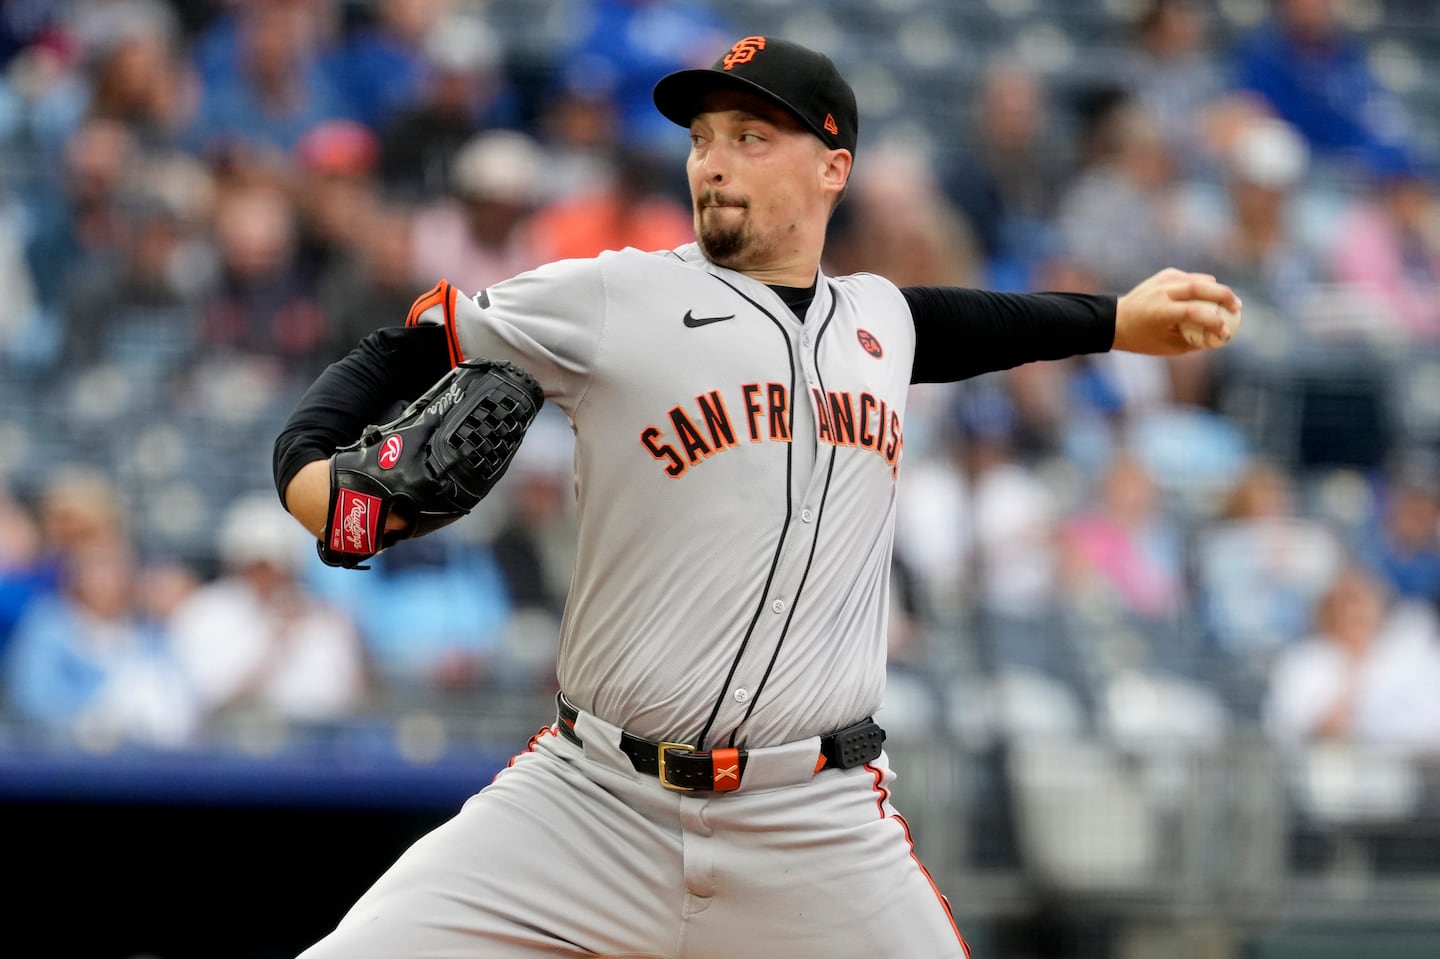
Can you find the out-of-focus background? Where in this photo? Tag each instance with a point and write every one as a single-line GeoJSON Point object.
{"type": "Point", "coordinates": [1165, 671]}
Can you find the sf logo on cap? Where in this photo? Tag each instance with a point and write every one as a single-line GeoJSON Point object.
{"type": "Point", "coordinates": [743, 52]}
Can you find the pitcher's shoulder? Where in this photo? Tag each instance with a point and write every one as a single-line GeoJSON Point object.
{"type": "Point", "coordinates": [871, 288]}
{"type": "Point", "coordinates": [863, 281]}
{"type": "Point", "coordinates": [687, 255]}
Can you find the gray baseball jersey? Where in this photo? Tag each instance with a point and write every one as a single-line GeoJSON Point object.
{"type": "Point", "coordinates": [735, 472]}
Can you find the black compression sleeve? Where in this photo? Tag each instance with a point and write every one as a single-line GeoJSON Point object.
{"type": "Point", "coordinates": [960, 333]}
{"type": "Point", "coordinates": [391, 365]}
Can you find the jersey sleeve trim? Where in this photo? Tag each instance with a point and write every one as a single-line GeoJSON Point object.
{"type": "Point", "coordinates": [441, 298]}
{"type": "Point", "coordinates": [424, 302]}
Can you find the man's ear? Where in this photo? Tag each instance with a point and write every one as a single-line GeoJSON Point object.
{"type": "Point", "coordinates": [836, 173]}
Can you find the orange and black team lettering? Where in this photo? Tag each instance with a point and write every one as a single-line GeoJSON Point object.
{"type": "Point", "coordinates": [695, 446]}
{"type": "Point", "coordinates": [875, 427]}
{"type": "Point", "coordinates": [717, 419]}
{"type": "Point", "coordinates": [822, 418]}
{"type": "Point", "coordinates": [752, 409]}
{"type": "Point", "coordinates": [779, 411]}
{"type": "Point", "coordinates": [650, 439]}
{"type": "Point", "coordinates": [842, 417]}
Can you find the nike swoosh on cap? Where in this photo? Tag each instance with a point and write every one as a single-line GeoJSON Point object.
{"type": "Point", "coordinates": [692, 321]}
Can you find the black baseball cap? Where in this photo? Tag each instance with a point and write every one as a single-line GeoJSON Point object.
{"type": "Point", "coordinates": [804, 82]}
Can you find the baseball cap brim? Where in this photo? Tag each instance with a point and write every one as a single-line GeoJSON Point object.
{"type": "Point", "coordinates": [678, 96]}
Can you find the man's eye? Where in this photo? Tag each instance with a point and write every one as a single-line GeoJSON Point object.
{"type": "Point", "coordinates": [750, 138]}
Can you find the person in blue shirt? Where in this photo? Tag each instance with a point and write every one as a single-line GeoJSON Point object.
{"type": "Point", "coordinates": [1315, 75]}
{"type": "Point", "coordinates": [1402, 545]}
{"type": "Point", "coordinates": [634, 43]}
{"type": "Point", "coordinates": [87, 661]}
{"type": "Point", "coordinates": [272, 89]}
{"type": "Point", "coordinates": [382, 65]}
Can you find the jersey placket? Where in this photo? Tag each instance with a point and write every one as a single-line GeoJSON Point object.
{"type": "Point", "coordinates": [809, 475]}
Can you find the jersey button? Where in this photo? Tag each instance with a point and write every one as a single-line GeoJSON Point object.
{"type": "Point", "coordinates": [806, 516]}
{"type": "Point", "coordinates": [778, 606]}
{"type": "Point", "coordinates": [805, 340]}
{"type": "Point", "coordinates": [742, 695]}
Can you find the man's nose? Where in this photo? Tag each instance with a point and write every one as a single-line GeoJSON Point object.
{"type": "Point", "coordinates": [713, 163]}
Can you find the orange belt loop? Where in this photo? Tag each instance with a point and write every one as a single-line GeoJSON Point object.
{"type": "Point", "coordinates": [725, 767]}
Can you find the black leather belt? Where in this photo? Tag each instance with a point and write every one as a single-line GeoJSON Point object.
{"type": "Point", "coordinates": [681, 766]}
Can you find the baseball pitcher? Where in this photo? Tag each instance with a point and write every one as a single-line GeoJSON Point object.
{"type": "Point", "coordinates": [712, 786]}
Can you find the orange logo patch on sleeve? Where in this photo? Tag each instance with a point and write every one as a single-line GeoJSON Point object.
{"type": "Point", "coordinates": [869, 343]}
{"type": "Point", "coordinates": [743, 52]}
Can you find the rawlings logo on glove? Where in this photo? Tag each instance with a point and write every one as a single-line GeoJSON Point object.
{"type": "Point", "coordinates": [430, 465]}
{"type": "Point", "coordinates": [353, 523]}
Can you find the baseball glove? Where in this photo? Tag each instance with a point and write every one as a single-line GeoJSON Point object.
{"type": "Point", "coordinates": [430, 465]}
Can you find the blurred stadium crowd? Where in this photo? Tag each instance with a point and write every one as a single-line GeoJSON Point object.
{"type": "Point", "coordinates": [203, 203]}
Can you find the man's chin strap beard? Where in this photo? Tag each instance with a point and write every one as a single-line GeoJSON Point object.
{"type": "Point", "coordinates": [721, 248]}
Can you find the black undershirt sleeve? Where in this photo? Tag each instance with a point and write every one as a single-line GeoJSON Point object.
{"type": "Point", "coordinates": [960, 332]}
{"type": "Point", "coordinates": [389, 367]}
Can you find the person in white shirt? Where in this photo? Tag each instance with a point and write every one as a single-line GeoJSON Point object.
{"type": "Point", "coordinates": [1368, 675]}
{"type": "Point", "coordinates": [256, 638]}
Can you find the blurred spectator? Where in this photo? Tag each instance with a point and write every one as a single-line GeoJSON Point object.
{"type": "Point", "coordinates": [533, 545]}
{"type": "Point", "coordinates": [276, 89]}
{"type": "Point", "coordinates": [1252, 237]}
{"type": "Point", "coordinates": [482, 232]}
{"type": "Point", "coordinates": [217, 47]}
{"type": "Point", "coordinates": [1388, 245]}
{"type": "Point", "coordinates": [140, 79]}
{"type": "Point", "coordinates": [1008, 177]}
{"type": "Point", "coordinates": [433, 618]}
{"type": "Point", "coordinates": [82, 227]}
{"type": "Point", "coordinates": [44, 94]}
{"type": "Point", "coordinates": [335, 190]}
{"type": "Point", "coordinates": [933, 529]}
{"type": "Point", "coordinates": [381, 65]}
{"type": "Point", "coordinates": [1118, 221]}
{"type": "Point", "coordinates": [1172, 71]}
{"type": "Point", "coordinates": [1016, 526]}
{"type": "Point", "coordinates": [1402, 546]}
{"type": "Point", "coordinates": [1122, 565]}
{"type": "Point", "coordinates": [260, 306]}
{"type": "Point", "coordinates": [80, 508]}
{"type": "Point", "coordinates": [375, 286]}
{"type": "Point", "coordinates": [525, 544]}
{"type": "Point", "coordinates": [464, 90]}
{"type": "Point", "coordinates": [75, 511]}
{"type": "Point", "coordinates": [1012, 517]}
{"type": "Point", "coordinates": [633, 210]}
{"type": "Point", "coordinates": [86, 662]}
{"type": "Point", "coordinates": [1118, 217]}
{"type": "Point", "coordinates": [1315, 75]}
{"type": "Point", "coordinates": [1260, 566]}
{"type": "Point", "coordinates": [256, 639]}
{"type": "Point", "coordinates": [141, 312]}
{"type": "Point", "coordinates": [581, 133]}
{"type": "Point", "coordinates": [1367, 675]}
{"type": "Point", "coordinates": [629, 44]}
{"type": "Point", "coordinates": [898, 223]}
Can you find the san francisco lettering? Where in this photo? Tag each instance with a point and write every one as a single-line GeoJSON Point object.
{"type": "Point", "coordinates": [695, 431]}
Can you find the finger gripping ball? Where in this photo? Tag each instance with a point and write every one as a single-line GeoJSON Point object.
{"type": "Point", "coordinates": [1202, 337]}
